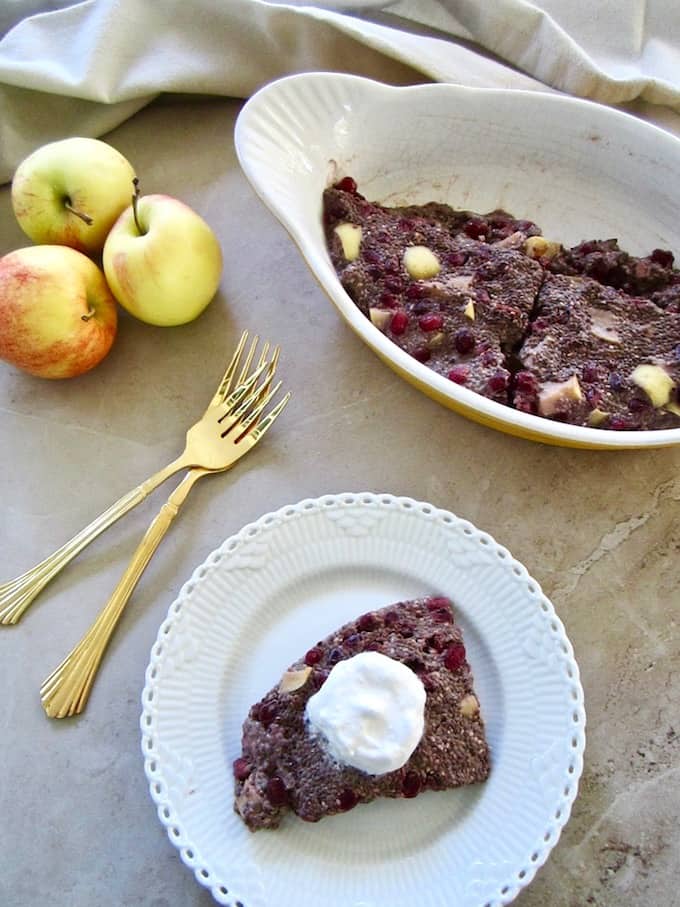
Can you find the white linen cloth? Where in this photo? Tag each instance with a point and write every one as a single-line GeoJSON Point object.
{"type": "Point", "coordinates": [82, 68]}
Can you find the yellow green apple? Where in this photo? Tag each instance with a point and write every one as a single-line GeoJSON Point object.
{"type": "Point", "coordinates": [162, 261]}
{"type": "Point", "coordinates": [71, 192]}
{"type": "Point", "coordinates": [58, 318]}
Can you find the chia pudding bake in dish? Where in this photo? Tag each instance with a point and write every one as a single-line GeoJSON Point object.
{"type": "Point", "coordinates": [588, 336]}
{"type": "Point", "coordinates": [383, 707]}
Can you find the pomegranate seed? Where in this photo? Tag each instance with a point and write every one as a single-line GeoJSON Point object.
{"type": "Point", "coordinates": [431, 323]}
{"type": "Point", "coordinates": [347, 184]}
{"type": "Point", "coordinates": [434, 604]}
{"type": "Point", "coordinates": [399, 323]}
{"type": "Point", "coordinates": [442, 616]}
{"type": "Point", "coordinates": [454, 656]}
{"type": "Point", "coordinates": [388, 300]}
{"type": "Point", "coordinates": [415, 291]}
{"type": "Point", "coordinates": [276, 791]}
{"type": "Point", "coordinates": [663, 257]}
{"type": "Point", "coordinates": [503, 230]}
{"type": "Point", "coordinates": [391, 618]}
{"type": "Point", "coordinates": [313, 657]}
{"type": "Point", "coordinates": [525, 406]}
{"type": "Point", "coordinates": [367, 622]}
{"type": "Point", "coordinates": [438, 642]}
{"type": "Point", "coordinates": [456, 259]}
{"type": "Point", "coordinates": [459, 375]}
{"type": "Point", "coordinates": [498, 382]}
{"type": "Point", "coordinates": [526, 382]}
{"type": "Point", "coordinates": [619, 423]}
{"type": "Point", "coordinates": [476, 228]}
{"type": "Point", "coordinates": [422, 354]}
{"type": "Point", "coordinates": [464, 340]}
{"type": "Point", "coordinates": [410, 786]}
{"type": "Point", "coordinates": [266, 713]}
{"type": "Point", "coordinates": [347, 799]}
{"type": "Point", "coordinates": [242, 768]}
{"type": "Point", "coordinates": [590, 372]}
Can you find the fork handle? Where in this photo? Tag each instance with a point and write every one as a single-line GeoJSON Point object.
{"type": "Point", "coordinates": [66, 691]}
{"type": "Point", "coordinates": [17, 594]}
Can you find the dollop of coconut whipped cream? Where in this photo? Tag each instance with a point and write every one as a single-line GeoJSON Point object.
{"type": "Point", "coordinates": [371, 712]}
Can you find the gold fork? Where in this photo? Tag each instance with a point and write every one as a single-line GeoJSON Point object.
{"type": "Point", "coordinates": [66, 691]}
{"type": "Point", "coordinates": [16, 595]}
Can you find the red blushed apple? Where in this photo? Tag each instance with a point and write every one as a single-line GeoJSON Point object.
{"type": "Point", "coordinates": [58, 318]}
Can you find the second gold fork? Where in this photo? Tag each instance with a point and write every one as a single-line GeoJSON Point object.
{"type": "Point", "coordinates": [66, 691]}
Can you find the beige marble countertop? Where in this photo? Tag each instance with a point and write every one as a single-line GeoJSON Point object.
{"type": "Point", "coordinates": [599, 531]}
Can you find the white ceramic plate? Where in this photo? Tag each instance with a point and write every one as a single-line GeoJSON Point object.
{"type": "Point", "coordinates": [579, 169]}
{"type": "Point", "coordinates": [272, 591]}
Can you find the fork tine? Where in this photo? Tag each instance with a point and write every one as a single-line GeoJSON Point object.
{"type": "Point", "coordinates": [242, 390]}
{"type": "Point", "coordinates": [274, 362]}
{"type": "Point", "coordinates": [227, 380]}
{"type": "Point", "coordinates": [244, 419]}
{"type": "Point", "coordinates": [266, 384]}
{"type": "Point", "coordinates": [268, 420]}
{"type": "Point", "coordinates": [249, 358]}
{"type": "Point", "coordinates": [245, 398]}
{"type": "Point", "coordinates": [263, 354]}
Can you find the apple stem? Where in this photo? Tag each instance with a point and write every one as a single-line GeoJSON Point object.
{"type": "Point", "coordinates": [135, 199]}
{"type": "Point", "coordinates": [85, 217]}
{"type": "Point", "coordinates": [88, 315]}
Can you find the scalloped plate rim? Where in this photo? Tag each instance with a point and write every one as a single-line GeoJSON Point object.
{"type": "Point", "coordinates": [270, 521]}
